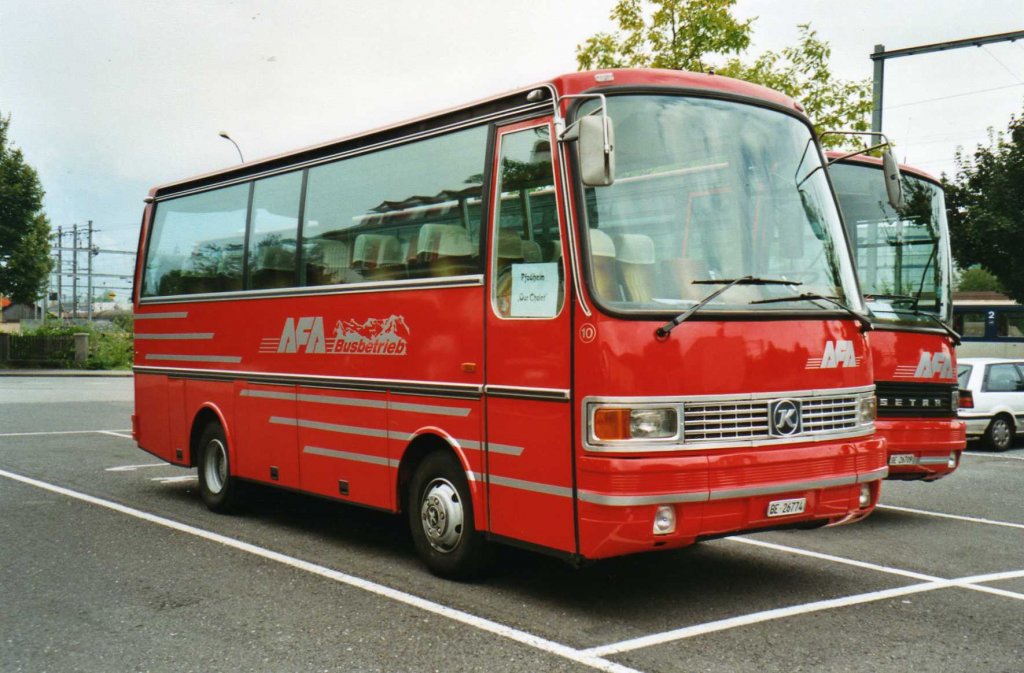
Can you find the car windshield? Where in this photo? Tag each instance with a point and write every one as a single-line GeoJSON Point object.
{"type": "Point", "coordinates": [963, 374]}
{"type": "Point", "coordinates": [713, 190]}
{"type": "Point", "coordinates": [902, 256]}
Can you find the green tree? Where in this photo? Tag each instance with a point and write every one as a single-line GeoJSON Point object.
{"type": "Point", "coordinates": [978, 279]}
{"type": "Point", "coordinates": [24, 230]}
{"type": "Point", "coordinates": [699, 35]}
{"type": "Point", "coordinates": [985, 207]}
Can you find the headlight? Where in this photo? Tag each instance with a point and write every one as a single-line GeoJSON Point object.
{"type": "Point", "coordinates": [868, 410]}
{"type": "Point", "coordinates": [611, 423]}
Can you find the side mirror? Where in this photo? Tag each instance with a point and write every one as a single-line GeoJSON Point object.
{"type": "Point", "coordinates": [596, 138]}
{"type": "Point", "coordinates": [893, 179]}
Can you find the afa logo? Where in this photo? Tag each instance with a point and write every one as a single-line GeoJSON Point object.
{"type": "Point", "coordinates": [373, 336]}
{"type": "Point", "coordinates": [307, 333]}
{"type": "Point", "coordinates": [934, 364]}
{"type": "Point", "coordinates": [838, 353]}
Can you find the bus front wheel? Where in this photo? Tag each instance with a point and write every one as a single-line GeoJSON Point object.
{"type": "Point", "coordinates": [440, 513]}
{"type": "Point", "coordinates": [218, 489]}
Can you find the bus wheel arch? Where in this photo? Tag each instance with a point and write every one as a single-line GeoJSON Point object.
{"type": "Point", "coordinates": [210, 452]}
{"type": "Point", "coordinates": [438, 502]}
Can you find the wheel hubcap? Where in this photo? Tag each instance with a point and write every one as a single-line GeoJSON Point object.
{"type": "Point", "coordinates": [442, 515]}
{"type": "Point", "coordinates": [215, 465]}
{"type": "Point", "coordinates": [1001, 433]}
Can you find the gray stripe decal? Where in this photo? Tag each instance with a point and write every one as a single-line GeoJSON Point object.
{"type": "Point", "coordinates": [389, 434]}
{"type": "Point", "coordinates": [874, 476]}
{"type": "Point", "coordinates": [932, 460]}
{"type": "Point", "coordinates": [630, 500]}
{"type": "Point", "coordinates": [181, 336]}
{"type": "Point", "coordinates": [493, 447]}
{"type": "Point", "coordinates": [532, 486]}
{"type": "Point", "coordinates": [346, 455]}
{"type": "Point", "coordinates": [728, 494]}
{"type": "Point", "coordinates": [160, 316]}
{"type": "Point", "coordinates": [354, 402]}
{"type": "Point", "coordinates": [725, 494]}
{"type": "Point", "coordinates": [329, 427]}
{"type": "Point", "coordinates": [269, 394]}
{"type": "Point", "coordinates": [194, 358]}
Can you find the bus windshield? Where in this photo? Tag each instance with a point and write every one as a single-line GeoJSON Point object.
{"type": "Point", "coordinates": [713, 190]}
{"type": "Point", "coordinates": [902, 256]}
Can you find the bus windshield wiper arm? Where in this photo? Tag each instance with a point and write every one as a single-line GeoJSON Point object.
{"type": "Point", "coordinates": [934, 318]}
{"type": "Point", "coordinates": [811, 296]}
{"type": "Point", "coordinates": [667, 328]}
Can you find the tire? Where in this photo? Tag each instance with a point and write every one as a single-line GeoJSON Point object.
{"type": "Point", "coordinates": [440, 511]}
{"type": "Point", "coordinates": [218, 489]}
{"type": "Point", "coordinates": [1000, 433]}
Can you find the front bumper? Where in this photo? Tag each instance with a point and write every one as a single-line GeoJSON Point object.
{"type": "Point", "coordinates": [922, 448]}
{"type": "Point", "coordinates": [718, 493]}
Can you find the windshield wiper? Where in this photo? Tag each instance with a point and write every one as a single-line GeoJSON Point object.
{"type": "Point", "coordinates": [954, 337]}
{"type": "Point", "coordinates": [894, 297]}
{"type": "Point", "coordinates": [865, 323]}
{"type": "Point", "coordinates": [667, 328]}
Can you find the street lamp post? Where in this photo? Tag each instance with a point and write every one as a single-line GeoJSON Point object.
{"type": "Point", "coordinates": [225, 136]}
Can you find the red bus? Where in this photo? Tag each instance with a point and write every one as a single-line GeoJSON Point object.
{"type": "Point", "coordinates": [905, 271]}
{"type": "Point", "coordinates": [610, 313]}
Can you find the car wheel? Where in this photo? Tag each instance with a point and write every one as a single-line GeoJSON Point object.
{"type": "Point", "coordinates": [999, 434]}
{"type": "Point", "coordinates": [440, 511]}
{"type": "Point", "coordinates": [218, 489]}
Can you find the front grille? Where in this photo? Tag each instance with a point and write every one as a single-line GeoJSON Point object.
{"type": "Point", "coordinates": [822, 414]}
{"type": "Point", "coordinates": [916, 400]}
{"type": "Point", "coordinates": [720, 421]}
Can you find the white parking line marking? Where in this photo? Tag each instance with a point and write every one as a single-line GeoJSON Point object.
{"type": "Point", "coordinates": [807, 608]}
{"type": "Point", "coordinates": [958, 517]}
{"type": "Point", "coordinates": [132, 468]}
{"type": "Point", "coordinates": [481, 623]}
{"type": "Point", "coordinates": [61, 432]}
{"type": "Point", "coordinates": [759, 617]}
{"type": "Point", "coordinates": [835, 559]}
{"type": "Point", "coordinates": [993, 455]}
{"type": "Point", "coordinates": [173, 480]}
{"type": "Point", "coordinates": [115, 434]}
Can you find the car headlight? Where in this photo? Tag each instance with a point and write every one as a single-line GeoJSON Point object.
{"type": "Point", "coordinates": [618, 423]}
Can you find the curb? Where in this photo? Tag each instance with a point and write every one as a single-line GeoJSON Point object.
{"type": "Point", "coordinates": [67, 372]}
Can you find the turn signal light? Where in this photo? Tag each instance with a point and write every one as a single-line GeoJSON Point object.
{"type": "Point", "coordinates": [611, 423]}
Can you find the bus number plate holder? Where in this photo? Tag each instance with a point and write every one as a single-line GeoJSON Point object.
{"type": "Point", "coordinates": [902, 459]}
{"type": "Point", "coordinates": [786, 507]}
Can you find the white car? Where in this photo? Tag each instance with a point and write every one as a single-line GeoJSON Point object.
{"type": "Point", "coordinates": [992, 399]}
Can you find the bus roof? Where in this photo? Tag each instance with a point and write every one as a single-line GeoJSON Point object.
{"type": "Point", "coordinates": [866, 160]}
{"type": "Point", "coordinates": [572, 83]}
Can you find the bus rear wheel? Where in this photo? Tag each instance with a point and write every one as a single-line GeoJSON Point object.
{"type": "Point", "coordinates": [218, 489]}
{"type": "Point", "coordinates": [440, 511]}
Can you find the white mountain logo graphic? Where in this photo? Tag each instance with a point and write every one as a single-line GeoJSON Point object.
{"type": "Point", "coordinates": [374, 336]}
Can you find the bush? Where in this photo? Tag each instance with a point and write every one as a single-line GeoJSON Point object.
{"type": "Point", "coordinates": [111, 345]}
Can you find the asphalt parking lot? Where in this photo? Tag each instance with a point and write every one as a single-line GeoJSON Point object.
{"type": "Point", "coordinates": [110, 562]}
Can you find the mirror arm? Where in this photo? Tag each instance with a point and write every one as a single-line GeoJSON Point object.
{"type": "Point", "coordinates": [883, 142]}
{"type": "Point", "coordinates": [560, 129]}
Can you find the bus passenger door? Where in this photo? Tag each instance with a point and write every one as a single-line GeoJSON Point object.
{"type": "Point", "coordinates": [528, 448]}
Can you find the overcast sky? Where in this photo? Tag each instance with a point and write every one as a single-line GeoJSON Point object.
{"type": "Point", "coordinates": [111, 97]}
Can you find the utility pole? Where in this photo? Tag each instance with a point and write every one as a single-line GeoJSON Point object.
{"type": "Point", "coordinates": [880, 55]}
{"type": "Point", "coordinates": [60, 273]}
{"type": "Point", "coordinates": [89, 255]}
{"type": "Point", "coordinates": [74, 271]}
